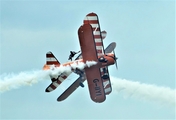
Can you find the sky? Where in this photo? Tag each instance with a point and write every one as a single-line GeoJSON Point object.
{"type": "Point", "coordinates": [144, 32]}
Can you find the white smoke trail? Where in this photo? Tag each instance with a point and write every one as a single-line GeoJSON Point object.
{"type": "Point", "coordinates": [90, 63]}
{"type": "Point", "coordinates": [130, 88]}
{"type": "Point", "coordinates": [13, 81]}
{"type": "Point", "coordinates": [142, 91]}
{"type": "Point", "coordinates": [68, 69]}
{"type": "Point", "coordinates": [81, 65]}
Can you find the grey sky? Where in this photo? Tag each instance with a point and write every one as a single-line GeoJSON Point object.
{"type": "Point", "coordinates": [145, 35]}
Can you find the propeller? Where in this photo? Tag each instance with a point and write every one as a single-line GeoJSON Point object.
{"type": "Point", "coordinates": [115, 58]}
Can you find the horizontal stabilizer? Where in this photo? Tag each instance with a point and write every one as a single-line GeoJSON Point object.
{"type": "Point", "coordinates": [52, 86]}
{"type": "Point", "coordinates": [56, 81]}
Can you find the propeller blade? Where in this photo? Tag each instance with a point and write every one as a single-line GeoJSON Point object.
{"type": "Point", "coordinates": [116, 65]}
{"type": "Point", "coordinates": [115, 58]}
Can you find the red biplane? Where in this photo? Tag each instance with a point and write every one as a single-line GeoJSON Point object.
{"type": "Point", "coordinates": [92, 49]}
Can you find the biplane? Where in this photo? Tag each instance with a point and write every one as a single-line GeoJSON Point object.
{"type": "Point", "coordinates": [92, 49]}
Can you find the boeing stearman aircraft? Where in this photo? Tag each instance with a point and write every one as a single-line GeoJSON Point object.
{"type": "Point", "coordinates": [92, 49]}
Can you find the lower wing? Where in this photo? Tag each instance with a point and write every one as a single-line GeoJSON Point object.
{"type": "Point", "coordinates": [70, 89]}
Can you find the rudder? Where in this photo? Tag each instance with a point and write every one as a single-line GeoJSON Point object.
{"type": "Point", "coordinates": [51, 59]}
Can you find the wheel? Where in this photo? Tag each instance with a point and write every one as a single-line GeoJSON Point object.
{"type": "Point", "coordinates": [81, 84]}
{"type": "Point", "coordinates": [105, 76]}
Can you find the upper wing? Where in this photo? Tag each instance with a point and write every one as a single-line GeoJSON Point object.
{"type": "Point", "coordinates": [92, 19]}
{"type": "Point", "coordinates": [103, 33]}
{"type": "Point", "coordinates": [89, 53]}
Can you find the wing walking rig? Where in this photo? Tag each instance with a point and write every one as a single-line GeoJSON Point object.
{"type": "Point", "coordinates": [92, 48]}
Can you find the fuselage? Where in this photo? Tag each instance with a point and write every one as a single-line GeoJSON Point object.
{"type": "Point", "coordinates": [104, 60]}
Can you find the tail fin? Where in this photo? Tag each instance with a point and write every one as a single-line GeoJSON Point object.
{"type": "Point", "coordinates": [51, 59]}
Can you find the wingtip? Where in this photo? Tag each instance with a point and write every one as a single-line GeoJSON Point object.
{"type": "Point", "coordinates": [49, 52]}
{"type": "Point", "coordinates": [58, 99]}
{"type": "Point", "coordinates": [47, 90]}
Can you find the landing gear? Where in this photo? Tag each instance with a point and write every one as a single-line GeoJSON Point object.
{"type": "Point", "coordinates": [79, 72]}
{"type": "Point", "coordinates": [81, 76]}
{"type": "Point", "coordinates": [105, 76]}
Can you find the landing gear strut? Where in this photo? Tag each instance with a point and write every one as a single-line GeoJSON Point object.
{"type": "Point", "coordinates": [105, 76]}
{"type": "Point", "coordinates": [81, 75]}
